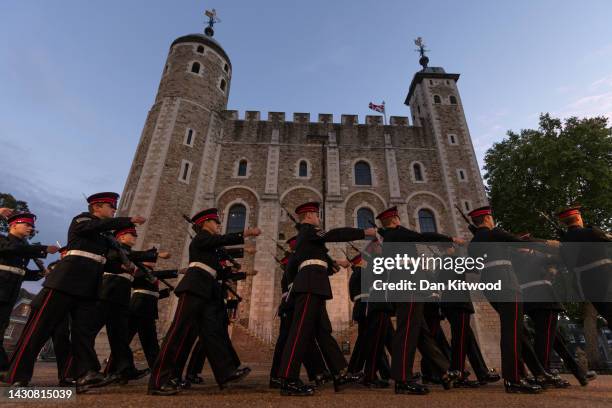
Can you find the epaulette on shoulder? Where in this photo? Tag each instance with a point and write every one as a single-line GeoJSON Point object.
{"type": "Point", "coordinates": [81, 219]}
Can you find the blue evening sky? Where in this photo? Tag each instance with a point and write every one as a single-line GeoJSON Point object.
{"type": "Point", "coordinates": [78, 77]}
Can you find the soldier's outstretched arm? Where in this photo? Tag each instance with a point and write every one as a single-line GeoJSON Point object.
{"type": "Point", "coordinates": [85, 224]}
{"type": "Point", "coordinates": [345, 234]}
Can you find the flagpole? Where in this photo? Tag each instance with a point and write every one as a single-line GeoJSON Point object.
{"type": "Point", "coordinates": [384, 113]}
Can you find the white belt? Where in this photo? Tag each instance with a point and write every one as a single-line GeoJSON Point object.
{"type": "Point", "coordinates": [592, 265]}
{"type": "Point", "coordinates": [205, 267]}
{"type": "Point", "coordinates": [85, 254]}
{"type": "Point", "coordinates": [127, 276]}
{"type": "Point", "coordinates": [500, 262]}
{"type": "Point", "coordinates": [147, 292]}
{"type": "Point", "coordinates": [361, 296]}
{"type": "Point", "coordinates": [536, 283]}
{"type": "Point", "coordinates": [309, 262]}
{"type": "Point", "coordinates": [12, 269]}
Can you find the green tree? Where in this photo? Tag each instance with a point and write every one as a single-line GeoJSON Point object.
{"type": "Point", "coordinates": [543, 170]}
{"type": "Point", "coordinates": [8, 201]}
{"type": "Point", "coordinates": [559, 164]}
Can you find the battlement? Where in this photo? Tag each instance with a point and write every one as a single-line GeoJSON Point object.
{"type": "Point", "coordinates": [326, 118]}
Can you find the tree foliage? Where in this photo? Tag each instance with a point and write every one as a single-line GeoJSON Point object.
{"type": "Point", "coordinates": [7, 200]}
{"type": "Point", "coordinates": [559, 164]}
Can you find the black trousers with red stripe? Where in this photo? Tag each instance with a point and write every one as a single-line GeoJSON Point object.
{"type": "Point", "coordinates": [5, 317]}
{"type": "Point", "coordinates": [377, 328]}
{"type": "Point", "coordinates": [545, 323]}
{"type": "Point", "coordinates": [461, 338]}
{"type": "Point", "coordinates": [61, 349]}
{"type": "Point", "coordinates": [194, 312]}
{"type": "Point", "coordinates": [313, 360]}
{"type": "Point", "coordinates": [511, 326]}
{"type": "Point", "coordinates": [411, 333]}
{"type": "Point", "coordinates": [310, 322]}
{"type": "Point", "coordinates": [54, 308]}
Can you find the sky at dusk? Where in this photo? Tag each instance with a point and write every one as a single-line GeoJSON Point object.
{"type": "Point", "coordinates": [78, 77]}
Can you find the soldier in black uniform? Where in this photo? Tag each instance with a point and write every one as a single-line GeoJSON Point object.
{"type": "Point", "coordinates": [411, 331]}
{"type": "Point", "coordinates": [200, 301]}
{"type": "Point", "coordinates": [457, 307]}
{"type": "Point", "coordinates": [508, 302]}
{"type": "Point", "coordinates": [15, 254]}
{"type": "Point", "coordinates": [313, 360]}
{"type": "Point", "coordinates": [113, 308]}
{"type": "Point", "coordinates": [372, 332]}
{"type": "Point", "coordinates": [590, 263]}
{"type": "Point", "coordinates": [311, 289]}
{"type": "Point", "coordinates": [143, 312]}
{"type": "Point", "coordinates": [72, 289]}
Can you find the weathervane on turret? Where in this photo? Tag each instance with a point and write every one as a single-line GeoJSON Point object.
{"type": "Point", "coordinates": [212, 20]}
{"type": "Point", "coordinates": [422, 50]}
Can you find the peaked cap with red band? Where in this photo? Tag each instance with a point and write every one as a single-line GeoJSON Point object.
{"type": "Point", "coordinates": [124, 231]}
{"type": "Point", "coordinates": [568, 212]}
{"type": "Point", "coordinates": [24, 217]}
{"type": "Point", "coordinates": [311, 206]}
{"type": "Point", "coordinates": [292, 242]}
{"type": "Point", "coordinates": [205, 215]}
{"type": "Point", "coordinates": [388, 213]}
{"type": "Point", "coordinates": [486, 210]}
{"type": "Point", "coordinates": [106, 197]}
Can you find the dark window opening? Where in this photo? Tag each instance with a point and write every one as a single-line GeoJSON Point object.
{"type": "Point", "coordinates": [452, 99]}
{"type": "Point", "coordinates": [195, 68]}
{"type": "Point", "coordinates": [427, 221]}
{"type": "Point", "coordinates": [189, 137]}
{"type": "Point", "coordinates": [363, 175]}
{"type": "Point", "coordinates": [222, 85]}
{"type": "Point", "coordinates": [303, 169]}
{"type": "Point", "coordinates": [200, 49]}
{"type": "Point", "coordinates": [418, 173]}
{"type": "Point", "coordinates": [242, 168]}
{"type": "Point", "coordinates": [437, 99]}
{"type": "Point", "coordinates": [236, 218]}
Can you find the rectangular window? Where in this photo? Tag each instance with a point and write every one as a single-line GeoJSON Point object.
{"type": "Point", "coordinates": [452, 139]}
{"type": "Point", "coordinates": [461, 175]}
{"type": "Point", "coordinates": [189, 136]}
{"type": "Point", "coordinates": [466, 205]}
{"type": "Point", "coordinates": [185, 171]}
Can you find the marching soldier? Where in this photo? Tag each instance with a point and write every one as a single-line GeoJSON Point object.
{"type": "Point", "coordinates": [508, 304]}
{"type": "Point", "coordinates": [72, 289]}
{"type": "Point", "coordinates": [143, 312]}
{"type": "Point", "coordinates": [411, 331]}
{"type": "Point", "coordinates": [113, 308]}
{"type": "Point", "coordinates": [311, 289]}
{"type": "Point", "coordinates": [15, 254]}
{"type": "Point", "coordinates": [200, 299]}
{"type": "Point", "coordinates": [590, 263]}
{"type": "Point", "coordinates": [457, 307]}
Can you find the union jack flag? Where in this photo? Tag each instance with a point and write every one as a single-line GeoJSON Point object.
{"type": "Point", "coordinates": [377, 108]}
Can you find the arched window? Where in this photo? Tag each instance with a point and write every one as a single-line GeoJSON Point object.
{"type": "Point", "coordinates": [222, 85]}
{"type": "Point", "coordinates": [195, 67]}
{"type": "Point", "coordinates": [365, 218]}
{"type": "Point", "coordinates": [242, 168]}
{"type": "Point", "coordinates": [427, 221]}
{"type": "Point", "coordinates": [303, 169]}
{"type": "Point", "coordinates": [236, 218]}
{"type": "Point", "coordinates": [226, 68]}
{"type": "Point", "coordinates": [452, 99]}
{"type": "Point", "coordinates": [437, 99]}
{"type": "Point", "coordinates": [417, 171]}
{"type": "Point", "coordinates": [363, 175]}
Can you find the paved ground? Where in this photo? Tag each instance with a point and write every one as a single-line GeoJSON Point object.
{"type": "Point", "coordinates": [253, 392]}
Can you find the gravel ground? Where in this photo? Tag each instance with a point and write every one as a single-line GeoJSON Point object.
{"type": "Point", "coordinates": [253, 392]}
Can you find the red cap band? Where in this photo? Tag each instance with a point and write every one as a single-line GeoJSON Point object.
{"type": "Point", "coordinates": [207, 217]}
{"type": "Point", "coordinates": [568, 213]}
{"type": "Point", "coordinates": [26, 220]}
{"type": "Point", "coordinates": [126, 231]}
{"type": "Point", "coordinates": [478, 213]}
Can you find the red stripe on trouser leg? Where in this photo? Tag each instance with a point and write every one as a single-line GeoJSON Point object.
{"type": "Point", "coordinates": [297, 336]}
{"type": "Point", "coordinates": [167, 341]}
{"type": "Point", "coordinates": [548, 340]}
{"type": "Point", "coordinates": [29, 336]}
{"type": "Point", "coordinates": [375, 354]}
{"type": "Point", "coordinates": [180, 347]}
{"type": "Point", "coordinates": [461, 358]}
{"type": "Point", "coordinates": [68, 365]}
{"type": "Point", "coordinates": [516, 374]}
{"type": "Point", "coordinates": [406, 342]}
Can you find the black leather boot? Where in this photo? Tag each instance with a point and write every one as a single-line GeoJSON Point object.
{"type": "Point", "coordinates": [490, 377]}
{"type": "Point", "coordinates": [275, 382]}
{"type": "Point", "coordinates": [295, 388]}
{"type": "Point", "coordinates": [237, 375]}
{"type": "Point", "coordinates": [521, 387]}
{"type": "Point", "coordinates": [412, 388]}
{"type": "Point", "coordinates": [164, 390]}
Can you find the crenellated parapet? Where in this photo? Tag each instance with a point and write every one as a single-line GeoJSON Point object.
{"type": "Point", "coordinates": [322, 118]}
